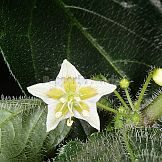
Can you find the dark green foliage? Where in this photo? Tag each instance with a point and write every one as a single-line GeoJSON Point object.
{"type": "Point", "coordinates": [68, 150]}
{"type": "Point", "coordinates": [23, 135]}
{"type": "Point", "coordinates": [136, 145]}
{"type": "Point", "coordinates": [111, 37]}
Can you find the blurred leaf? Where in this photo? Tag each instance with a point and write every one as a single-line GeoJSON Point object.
{"type": "Point", "coordinates": [109, 37]}
{"type": "Point", "coordinates": [23, 135]}
{"type": "Point", "coordinates": [152, 109]}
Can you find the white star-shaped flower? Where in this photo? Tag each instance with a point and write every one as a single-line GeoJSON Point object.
{"type": "Point", "coordinates": [70, 95]}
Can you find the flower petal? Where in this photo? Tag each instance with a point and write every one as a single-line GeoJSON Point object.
{"type": "Point", "coordinates": [52, 121]}
{"type": "Point", "coordinates": [41, 90]}
{"type": "Point", "coordinates": [91, 117]}
{"type": "Point", "coordinates": [101, 87]}
{"type": "Point", "coordinates": [68, 71]}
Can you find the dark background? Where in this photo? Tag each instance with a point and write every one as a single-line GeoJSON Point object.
{"type": "Point", "coordinates": [8, 86]}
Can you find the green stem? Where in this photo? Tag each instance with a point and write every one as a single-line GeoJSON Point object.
{"type": "Point", "coordinates": [143, 90]}
{"type": "Point", "coordinates": [106, 108]}
{"type": "Point", "coordinates": [129, 99]}
{"type": "Point", "coordinates": [121, 99]}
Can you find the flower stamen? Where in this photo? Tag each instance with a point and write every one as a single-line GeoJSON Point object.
{"type": "Point", "coordinates": [58, 114]}
{"type": "Point", "coordinates": [70, 107]}
{"type": "Point", "coordinates": [69, 122]}
{"type": "Point", "coordinates": [84, 112]}
{"type": "Point", "coordinates": [77, 99]}
{"type": "Point", "coordinates": [62, 99]}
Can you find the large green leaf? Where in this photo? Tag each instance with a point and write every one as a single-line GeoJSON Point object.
{"type": "Point", "coordinates": [108, 37]}
{"type": "Point", "coordinates": [23, 135]}
{"type": "Point", "coordinates": [133, 145]}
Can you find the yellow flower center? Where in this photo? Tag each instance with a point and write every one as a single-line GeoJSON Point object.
{"type": "Point", "coordinates": [71, 98]}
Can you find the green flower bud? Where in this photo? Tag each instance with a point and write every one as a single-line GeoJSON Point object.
{"type": "Point", "coordinates": [157, 76]}
{"type": "Point", "coordinates": [124, 83]}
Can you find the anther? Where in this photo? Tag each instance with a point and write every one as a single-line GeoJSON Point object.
{"type": "Point", "coordinates": [69, 122]}
{"type": "Point", "coordinates": [58, 114]}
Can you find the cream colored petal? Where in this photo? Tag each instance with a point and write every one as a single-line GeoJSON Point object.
{"type": "Point", "coordinates": [102, 88]}
{"type": "Point", "coordinates": [68, 71]}
{"type": "Point", "coordinates": [41, 89]}
{"type": "Point", "coordinates": [52, 121]}
{"type": "Point", "coordinates": [91, 117]}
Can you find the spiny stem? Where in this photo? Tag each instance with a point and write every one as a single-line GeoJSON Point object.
{"type": "Point", "coordinates": [129, 99]}
{"type": "Point", "coordinates": [106, 108]}
{"type": "Point", "coordinates": [121, 99]}
{"type": "Point", "coordinates": [143, 90]}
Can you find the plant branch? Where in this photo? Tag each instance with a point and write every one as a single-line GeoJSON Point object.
{"type": "Point", "coordinates": [106, 108]}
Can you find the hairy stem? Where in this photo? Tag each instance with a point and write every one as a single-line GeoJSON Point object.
{"type": "Point", "coordinates": [129, 99]}
{"type": "Point", "coordinates": [121, 99]}
{"type": "Point", "coordinates": [143, 90]}
{"type": "Point", "coordinates": [100, 105]}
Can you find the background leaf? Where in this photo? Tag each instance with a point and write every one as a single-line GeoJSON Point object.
{"type": "Point", "coordinates": [109, 37]}
{"type": "Point", "coordinates": [133, 145]}
{"type": "Point", "coordinates": [23, 134]}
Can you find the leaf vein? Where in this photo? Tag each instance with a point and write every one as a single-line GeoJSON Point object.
{"type": "Point", "coordinates": [29, 37]}
{"type": "Point", "coordinates": [9, 68]}
{"type": "Point", "coordinates": [132, 61]}
{"type": "Point", "coordinates": [92, 40]}
{"type": "Point", "coordinates": [115, 23]}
